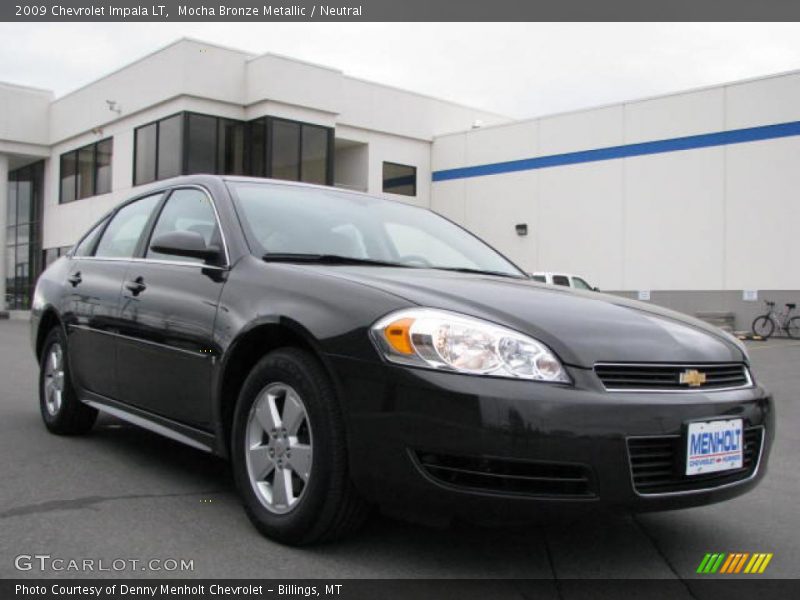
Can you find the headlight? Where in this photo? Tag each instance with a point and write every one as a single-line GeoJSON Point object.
{"type": "Point", "coordinates": [438, 339]}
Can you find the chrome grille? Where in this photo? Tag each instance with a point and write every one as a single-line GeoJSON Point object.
{"type": "Point", "coordinates": [661, 377]}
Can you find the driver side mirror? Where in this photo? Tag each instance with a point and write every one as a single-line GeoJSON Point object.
{"type": "Point", "coordinates": [185, 243]}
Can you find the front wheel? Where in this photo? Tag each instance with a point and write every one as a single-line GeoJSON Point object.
{"type": "Point", "coordinates": [62, 411]}
{"type": "Point", "coordinates": [763, 326]}
{"type": "Point", "coordinates": [289, 452]}
{"type": "Point", "coordinates": [793, 330]}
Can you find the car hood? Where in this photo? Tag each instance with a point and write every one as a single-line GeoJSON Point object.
{"type": "Point", "coordinates": [583, 328]}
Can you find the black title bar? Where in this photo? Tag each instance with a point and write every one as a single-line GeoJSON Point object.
{"type": "Point", "coordinates": [255, 11]}
{"type": "Point", "coordinates": [733, 588]}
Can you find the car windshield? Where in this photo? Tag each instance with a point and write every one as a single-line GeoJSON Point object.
{"type": "Point", "coordinates": [284, 222]}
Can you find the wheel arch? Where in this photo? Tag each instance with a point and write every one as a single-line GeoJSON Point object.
{"type": "Point", "coordinates": [49, 319]}
{"type": "Point", "coordinates": [253, 343]}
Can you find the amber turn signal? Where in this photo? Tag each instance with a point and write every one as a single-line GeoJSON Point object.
{"type": "Point", "coordinates": [398, 334]}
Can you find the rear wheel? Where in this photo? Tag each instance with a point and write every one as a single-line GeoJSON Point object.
{"type": "Point", "coordinates": [763, 326]}
{"type": "Point", "coordinates": [793, 330]}
{"type": "Point", "coordinates": [63, 413]}
{"type": "Point", "coordinates": [289, 452]}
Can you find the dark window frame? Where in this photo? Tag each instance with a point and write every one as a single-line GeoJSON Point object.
{"type": "Point", "coordinates": [75, 153]}
{"type": "Point", "coordinates": [248, 157]}
{"type": "Point", "coordinates": [19, 287]}
{"type": "Point", "coordinates": [268, 138]}
{"type": "Point", "coordinates": [396, 164]}
{"type": "Point", "coordinates": [218, 121]}
{"type": "Point", "coordinates": [157, 123]}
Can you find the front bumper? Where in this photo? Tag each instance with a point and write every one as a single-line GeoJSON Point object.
{"type": "Point", "coordinates": [400, 419]}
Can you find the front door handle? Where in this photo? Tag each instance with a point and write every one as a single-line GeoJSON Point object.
{"type": "Point", "coordinates": [75, 279]}
{"type": "Point", "coordinates": [136, 286]}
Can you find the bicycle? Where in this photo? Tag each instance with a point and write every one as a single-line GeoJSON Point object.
{"type": "Point", "coordinates": [765, 325]}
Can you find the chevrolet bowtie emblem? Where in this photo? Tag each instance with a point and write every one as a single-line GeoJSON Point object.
{"type": "Point", "coordinates": [693, 378]}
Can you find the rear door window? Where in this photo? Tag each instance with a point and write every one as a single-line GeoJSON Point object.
{"type": "Point", "coordinates": [88, 242]}
{"type": "Point", "coordinates": [123, 232]}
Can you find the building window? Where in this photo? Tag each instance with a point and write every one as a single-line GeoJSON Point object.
{"type": "Point", "coordinates": [291, 150]}
{"type": "Point", "coordinates": [68, 169]}
{"type": "Point", "coordinates": [189, 143]}
{"type": "Point", "coordinates": [23, 234]}
{"type": "Point", "coordinates": [314, 157]}
{"type": "Point", "coordinates": [201, 144]}
{"type": "Point", "coordinates": [285, 150]}
{"type": "Point", "coordinates": [144, 154]}
{"type": "Point", "coordinates": [399, 179]}
{"type": "Point", "coordinates": [258, 148]}
{"type": "Point", "coordinates": [230, 147]}
{"type": "Point", "coordinates": [170, 145]}
{"type": "Point", "coordinates": [158, 150]}
{"type": "Point", "coordinates": [104, 151]}
{"type": "Point", "coordinates": [214, 145]}
{"type": "Point", "coordinates": [86, 171]}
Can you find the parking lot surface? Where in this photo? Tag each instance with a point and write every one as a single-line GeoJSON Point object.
{"type": "Point", "coordinates": [122, 492]}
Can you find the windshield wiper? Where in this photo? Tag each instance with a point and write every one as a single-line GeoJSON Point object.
{"type": "Point", "coordinates": [326, 259]}
{"type": "Point", "coordinates": [478, 272]}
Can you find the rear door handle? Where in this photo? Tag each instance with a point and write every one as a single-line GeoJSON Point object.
{"type": "Point", "coordinates": [75, 279]}
{"type": "Point", "coordinates": [137, 286]}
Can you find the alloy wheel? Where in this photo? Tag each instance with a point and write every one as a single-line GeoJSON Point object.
{"type": "Point", "coordinates": [54, 379]}
{"type": "Point", "coordinates": [279, 447]}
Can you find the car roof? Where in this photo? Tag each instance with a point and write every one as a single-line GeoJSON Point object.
{"type": "Point", "coordinates": [204, 178]}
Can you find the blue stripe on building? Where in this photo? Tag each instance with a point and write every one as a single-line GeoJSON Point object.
{"type": "Point", "coordinates": [692, 142]}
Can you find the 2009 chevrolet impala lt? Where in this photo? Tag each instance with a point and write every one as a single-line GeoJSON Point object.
{"type": "Point", "coordinates": [346, 351]}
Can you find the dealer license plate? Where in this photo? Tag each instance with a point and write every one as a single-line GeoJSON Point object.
{"type": "Point", "coordinates": [714, 446]}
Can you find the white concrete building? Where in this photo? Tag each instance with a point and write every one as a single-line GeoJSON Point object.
{"type": "Point", "coordinates": [692, 197]}
{"type": "Point", "coordinates": [196, 107]}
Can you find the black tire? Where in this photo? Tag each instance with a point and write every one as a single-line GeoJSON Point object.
{"type": "Point", "coordinates": [763, 326]}
{"type": "Point", "coordinates": [68, 415]}
{"type": "Point", "coordinates": [793, 330]}
{"type": "Point", "coordinates": [328, 506]}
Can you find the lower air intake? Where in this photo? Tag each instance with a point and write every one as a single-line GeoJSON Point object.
{"type": "Point", "coordinates": [512, 477]}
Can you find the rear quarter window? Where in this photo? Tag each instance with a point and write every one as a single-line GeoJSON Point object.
{"type": "Point", "coordinates": [561, 280]}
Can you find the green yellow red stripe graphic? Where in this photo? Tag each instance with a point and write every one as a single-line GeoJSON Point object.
{"type": "Point", "coordinates": [734, 563]}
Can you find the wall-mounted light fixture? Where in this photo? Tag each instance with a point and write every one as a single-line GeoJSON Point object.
{"type": "Point", "coordinates": [522, 228]}
{"type": "Point", "coordinates": [114, 107]}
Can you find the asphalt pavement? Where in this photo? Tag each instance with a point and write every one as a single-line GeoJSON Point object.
{"type": "Point", "coordinates": [124, 493]}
